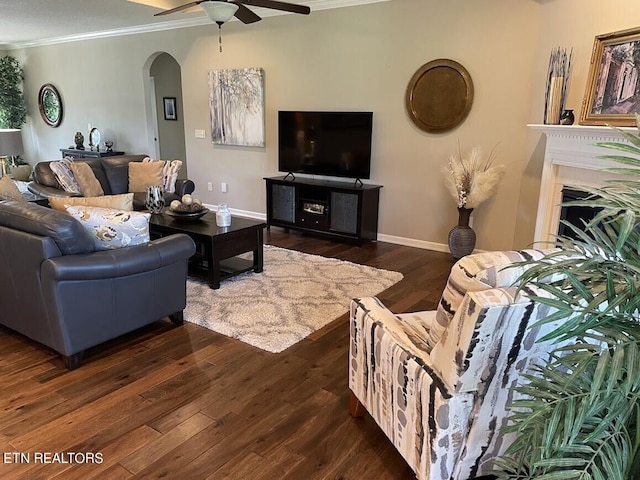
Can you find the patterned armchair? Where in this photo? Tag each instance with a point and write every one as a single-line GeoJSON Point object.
{"type": "Point", "coordinates": [438, 383]}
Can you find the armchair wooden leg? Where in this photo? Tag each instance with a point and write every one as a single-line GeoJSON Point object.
{"type": "Point", "coordinates": [177, 318]}
{"type": "Point", "coordinates": [355, 407]}
{"type": "Point", "coordinates": [73, 361]}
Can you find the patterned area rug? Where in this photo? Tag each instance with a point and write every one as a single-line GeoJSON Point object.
{"type": "Point", "coordinates": [294, 296]}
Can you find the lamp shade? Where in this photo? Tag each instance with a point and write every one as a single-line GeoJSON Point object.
{"type": "Point", "coordinates": [10, 142]}
{"type": "Point", "coordinates": [219, 12]}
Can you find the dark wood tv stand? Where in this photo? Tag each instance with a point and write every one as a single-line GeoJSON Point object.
{"type": "Point", "coordinates": [340, 210]}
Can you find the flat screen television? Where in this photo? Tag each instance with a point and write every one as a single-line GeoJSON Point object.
{"type": "Point", "coordinates": [334, 144]}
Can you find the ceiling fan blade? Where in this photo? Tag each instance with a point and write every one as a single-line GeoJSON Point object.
{"type": "Point", "coordinates": [245, 15]}
{"type": "Point", "coordinates": [181, 7]}
{"type": "Point", "coordinates": [277, 5]}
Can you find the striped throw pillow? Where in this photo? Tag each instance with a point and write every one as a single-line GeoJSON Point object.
{"type": "Point", "coordinates": [64, 175]}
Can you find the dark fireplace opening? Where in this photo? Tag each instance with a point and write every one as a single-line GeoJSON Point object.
{"type": "Point", "coordinates": [574, 214]}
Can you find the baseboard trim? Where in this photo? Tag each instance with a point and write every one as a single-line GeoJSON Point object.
{"type": "Point", "coordinates": [407, 242]}
{"type": "Point", "coordinates": [412, 242]}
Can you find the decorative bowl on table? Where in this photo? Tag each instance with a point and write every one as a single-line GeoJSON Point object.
{"type": "Point", "coordinates": [187, 216]}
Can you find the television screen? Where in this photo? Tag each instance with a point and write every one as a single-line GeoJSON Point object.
{"type": "Point", "coordinates": [325, 143]}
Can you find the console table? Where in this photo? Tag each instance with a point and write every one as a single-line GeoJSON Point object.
{"type": "Point", "coordinates": [340, 210]}
{"type": "Point", "coordinates": [75, 153]}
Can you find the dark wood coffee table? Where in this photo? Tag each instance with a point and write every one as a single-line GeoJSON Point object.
{"type": "Point", "coordinates": [217, 248]}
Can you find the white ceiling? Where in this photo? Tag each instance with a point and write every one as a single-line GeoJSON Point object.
{"type": "Point", "coordinates": [26, 23]}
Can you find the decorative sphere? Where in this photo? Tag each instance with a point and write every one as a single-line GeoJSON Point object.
{"type": "Point", "coordinates": [187, 199]}
{"type": "Point", "coordinates": [175, 204]}
{"type": "Point", "coordinates": [197, 201]}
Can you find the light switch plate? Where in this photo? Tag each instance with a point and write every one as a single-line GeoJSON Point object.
{"type": "Point", "coordinates": [200, 134]}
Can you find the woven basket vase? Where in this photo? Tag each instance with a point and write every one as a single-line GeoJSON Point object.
{"type": "Point", "coordinates": [462, 238]}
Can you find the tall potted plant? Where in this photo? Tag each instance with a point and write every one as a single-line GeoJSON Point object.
{"type": "Point", "coordinates": [13, 109]}
{"type": "Point", "coordinates": [579, 417]}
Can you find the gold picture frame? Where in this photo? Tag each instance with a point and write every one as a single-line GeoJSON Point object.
{"type": "Point", "coordinates": [612, 95]}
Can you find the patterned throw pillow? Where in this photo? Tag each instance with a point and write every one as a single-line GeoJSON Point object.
{"type": "Point", "coordinates": [64, 175]}
{"type": "Point", "coordinates": [86, 179]}
{"type": "Point", "coordinates": [9, 190]}
{"type": "Point", "coordinates": [144, 174]}
{"type": "Point", "coordinates": [122, 201]}
{"type": "Point", "coordinates": [112, 228]}
{"type": "Point", "coordinates": [169, 172]}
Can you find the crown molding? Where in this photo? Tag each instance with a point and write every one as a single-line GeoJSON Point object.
{"type": "Point", "coordinates": [315, 5]}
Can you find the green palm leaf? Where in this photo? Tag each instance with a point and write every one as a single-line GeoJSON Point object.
{"type": "Point", "coordinates": [577, 414]}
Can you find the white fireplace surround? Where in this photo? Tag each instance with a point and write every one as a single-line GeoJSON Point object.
{"type": "Point", "coordinates": [570, 159]}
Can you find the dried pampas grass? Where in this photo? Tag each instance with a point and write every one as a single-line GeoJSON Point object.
{"type": "Point", "coordinates": [472, 180]}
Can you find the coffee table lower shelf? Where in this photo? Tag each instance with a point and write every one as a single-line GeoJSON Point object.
{"type": "Point", "coordinates": [229, 267]}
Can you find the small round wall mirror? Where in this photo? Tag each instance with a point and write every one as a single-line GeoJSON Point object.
{"type": "Point", "coordinates": [50, 105]}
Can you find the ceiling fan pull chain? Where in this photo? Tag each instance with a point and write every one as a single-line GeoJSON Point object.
{"type": "Point", "coordinates": [220, 35]}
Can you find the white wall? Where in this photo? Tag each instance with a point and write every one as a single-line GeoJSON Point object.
{"type": "Point", "coordinates": [357, 58]}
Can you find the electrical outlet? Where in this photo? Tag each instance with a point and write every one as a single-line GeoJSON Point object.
{"type": "Point", "coordinates": [223, 187]}
{"type": "Point", "coordinates": [210, 186]}
{"type": "Point", "coordinates": [89, 126]}
{"type": "Point", "coordinates": [200, 134]}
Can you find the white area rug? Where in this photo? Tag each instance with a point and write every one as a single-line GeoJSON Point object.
{"type": "Point", "coordinates": [295, 295]}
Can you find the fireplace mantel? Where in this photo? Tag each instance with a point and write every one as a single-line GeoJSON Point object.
{"type": "Point", "coordinates": [570, 159]}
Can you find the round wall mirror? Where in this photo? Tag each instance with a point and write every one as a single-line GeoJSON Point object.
{"type": "Point", "coordinates": [50, 105]}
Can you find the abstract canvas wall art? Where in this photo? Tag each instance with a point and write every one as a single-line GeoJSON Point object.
{"type": "Point", "coordinates": [237, 106]}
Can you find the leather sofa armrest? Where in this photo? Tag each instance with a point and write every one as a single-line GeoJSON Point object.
{"type": "Point", "coordinates": [120, 262]}
{"type": "Point", "coordinates": [184, 185]}
{"type": "Point", "coordinates": [45, 191]}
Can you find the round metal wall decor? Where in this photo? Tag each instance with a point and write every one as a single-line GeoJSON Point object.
{"type": "Point", "coordinates": [439, 95]}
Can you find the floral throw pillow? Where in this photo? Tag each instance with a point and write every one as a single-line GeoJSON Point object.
{"type": "Point", "coordinates": [111, 228]}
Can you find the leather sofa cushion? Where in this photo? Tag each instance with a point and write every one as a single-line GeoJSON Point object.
{"type": "Point", "coordinates": [64, 230]}
{"type": "Point", "coordinates": [43, 175]}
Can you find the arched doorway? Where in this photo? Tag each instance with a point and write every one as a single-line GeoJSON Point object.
{"type": "Point", "coordinates": [163, 100]}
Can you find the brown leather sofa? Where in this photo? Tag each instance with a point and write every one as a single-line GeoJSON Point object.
{"type": "Point", "coordinates": [57, 290]}
{"type": "Point", "coordinates": [111, 172]}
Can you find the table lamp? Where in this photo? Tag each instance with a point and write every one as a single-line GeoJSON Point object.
{"type": "Point", "coordinates": [10, 145]}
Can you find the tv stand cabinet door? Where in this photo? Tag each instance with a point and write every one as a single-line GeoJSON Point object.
{"type": "Point", "coordinates": [344, 212]}
{"type": "Point", "coordinates": [283, 203]}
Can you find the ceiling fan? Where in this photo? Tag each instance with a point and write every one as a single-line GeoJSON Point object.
{"type": "Point", "coordinates": [221, 11]}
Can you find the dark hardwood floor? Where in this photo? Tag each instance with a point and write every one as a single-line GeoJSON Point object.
{"type": "Point", "coordinates": [187, 403]}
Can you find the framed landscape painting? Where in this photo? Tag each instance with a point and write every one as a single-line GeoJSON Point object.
{"type": "Point", "coordinates": [237, 106]}
{"type": "Point", "coordinates": [613, 87]}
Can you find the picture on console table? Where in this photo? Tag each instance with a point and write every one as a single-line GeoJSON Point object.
{"type": "Point", "coordinates": [613, 86]}
{"type": "Point", "coordinates": [237, 106]}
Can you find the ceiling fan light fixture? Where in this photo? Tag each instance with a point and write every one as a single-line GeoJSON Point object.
{"type": "Point", "coordinates": [219, 12]}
